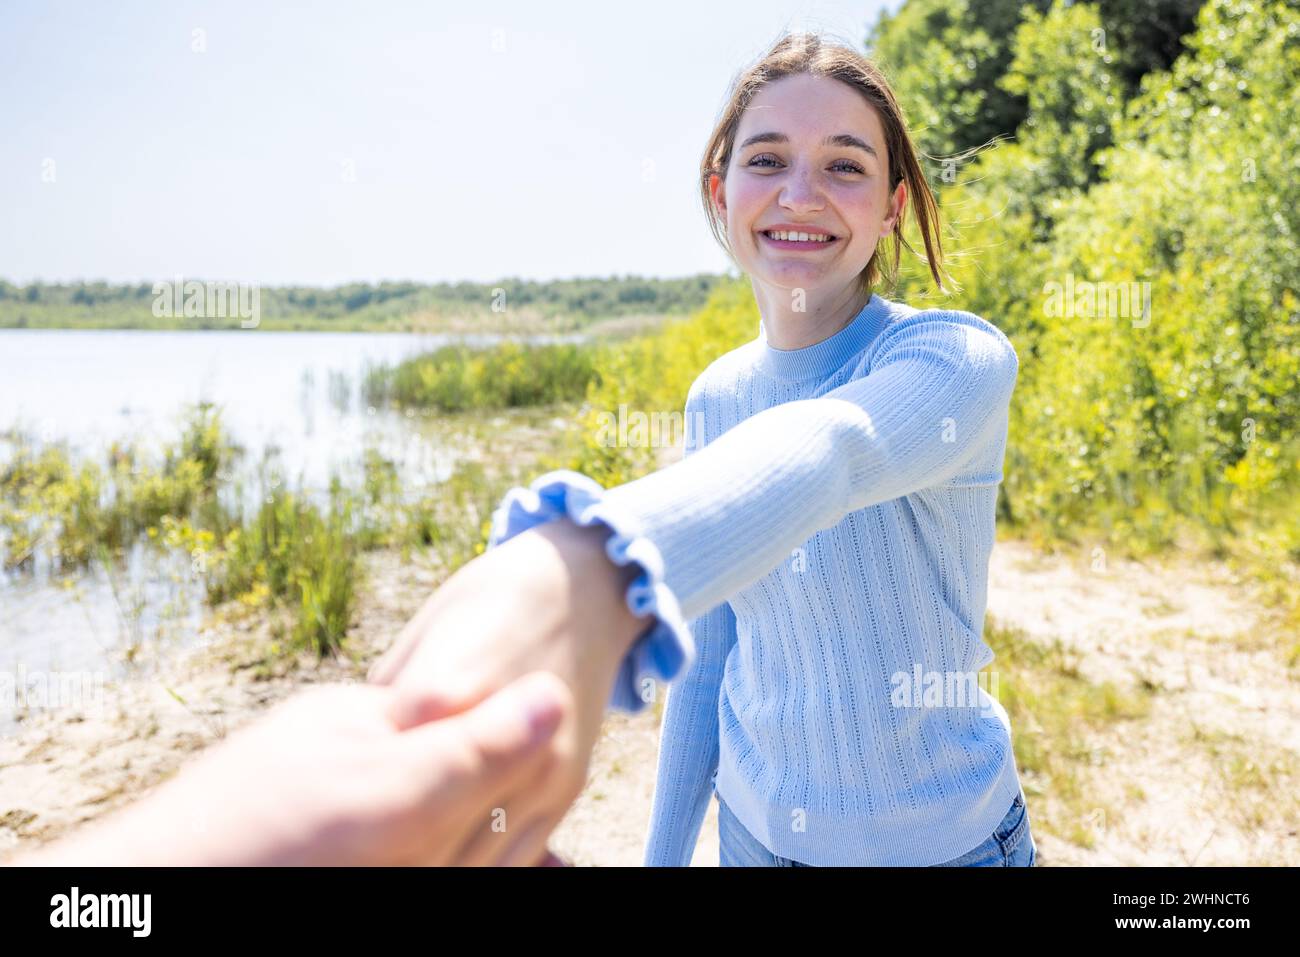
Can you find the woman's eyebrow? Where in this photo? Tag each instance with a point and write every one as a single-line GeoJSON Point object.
{"type": "Point", "coordinates": [838, 139]}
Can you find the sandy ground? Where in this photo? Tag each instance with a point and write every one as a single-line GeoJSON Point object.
{"type": "Point", "coordinates": [1209, 777]}
{"type": "Point", "coordinates": [1212, 775]}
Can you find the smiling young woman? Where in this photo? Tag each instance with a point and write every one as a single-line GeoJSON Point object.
{"type": "Point", "coordinates": [841, 164]}
{"type": "Point", "coordinates": [827, 531]}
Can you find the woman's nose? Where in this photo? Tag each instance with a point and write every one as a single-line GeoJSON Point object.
{"type": "Point", "coordinates": [801, 190]}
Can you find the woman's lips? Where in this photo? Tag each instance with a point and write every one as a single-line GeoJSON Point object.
{"type": "Point", "coordinates": [795, 244]}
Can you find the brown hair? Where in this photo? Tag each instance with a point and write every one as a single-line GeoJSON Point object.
{"type": "Point", "coordinates": [808, 53]}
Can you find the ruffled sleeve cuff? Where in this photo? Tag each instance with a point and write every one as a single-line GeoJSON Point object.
{"type": "Point", "coordinates": [667, 648]}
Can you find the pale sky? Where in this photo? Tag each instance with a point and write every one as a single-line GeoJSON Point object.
{"type": "Point", "coordinates": [326, 143]}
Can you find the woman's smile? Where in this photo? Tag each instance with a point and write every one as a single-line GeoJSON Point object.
{"type": "Point", "coordinates": [798, 241]}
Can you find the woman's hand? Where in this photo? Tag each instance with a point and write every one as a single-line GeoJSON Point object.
{"type": "Point", "coordinates": [327, 778]}
{"type": "Point", "coordinates": [548, 599]}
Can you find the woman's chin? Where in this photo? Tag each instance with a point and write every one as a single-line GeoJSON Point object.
{"type": "Point", "coordinates": [791, 275]}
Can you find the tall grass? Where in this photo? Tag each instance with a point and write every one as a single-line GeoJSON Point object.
{"type": "Point", "coordinates": [55, 507]}
{"type": "Point", "coordinates": [451, 519]}
{"type": "Point", "coordinates": [283, 553]}
{"type": "Point", "coordinates": [289, 553]}
{"type": "Point", "coordinates": [457, 378]}
{"type": "Point", "coordinates": [293, 553]}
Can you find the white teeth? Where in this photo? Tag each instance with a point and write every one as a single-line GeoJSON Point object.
{"type": "Point", "coordinates": [799, 237]}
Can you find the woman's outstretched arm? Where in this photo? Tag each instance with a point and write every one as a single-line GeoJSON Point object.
{"type": "Point", "coordinates": [937, 393]}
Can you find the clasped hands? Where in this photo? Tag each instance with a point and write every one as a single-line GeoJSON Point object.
{"type": "Point", "coordinates": [467, 745]}
{"type": "Point", "coordinates": [548, 600]}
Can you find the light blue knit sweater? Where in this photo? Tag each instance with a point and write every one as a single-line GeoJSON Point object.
{"type": "Point", "coordinates": [816, 567]}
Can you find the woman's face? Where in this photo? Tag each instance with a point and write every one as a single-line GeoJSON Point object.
{"type": "Point", "coordinates": [809, 153]}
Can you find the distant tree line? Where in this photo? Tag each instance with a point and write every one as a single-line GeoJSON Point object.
{"type": "Point", "coordinates": [362, 305]}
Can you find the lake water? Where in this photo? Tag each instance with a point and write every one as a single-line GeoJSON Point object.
{"type": "Point", "coordinates": [298, 393]}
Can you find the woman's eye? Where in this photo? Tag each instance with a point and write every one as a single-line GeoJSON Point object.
{"type": "Point", "coordinates": [847, 166]}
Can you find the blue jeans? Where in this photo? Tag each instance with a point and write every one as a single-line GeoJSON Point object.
{"type": "Point", "coordinates": [1010, 844]}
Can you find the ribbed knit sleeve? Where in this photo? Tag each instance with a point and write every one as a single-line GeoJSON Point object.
{"type": "Point", "coordinates": [936, 392]}
{"type": "Point", "coordinates": [688, 744]}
